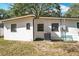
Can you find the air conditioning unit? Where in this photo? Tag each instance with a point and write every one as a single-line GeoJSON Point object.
{"type": "Point", "coordinates": [47, 36]}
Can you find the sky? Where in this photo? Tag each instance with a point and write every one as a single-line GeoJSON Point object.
{"type": "Point", "coordinates": [64, 6]}
{"type": "Point", "coordinates": [4, 6]}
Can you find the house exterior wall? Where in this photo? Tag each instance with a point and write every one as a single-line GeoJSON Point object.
{"type": "Point", "coordinates": [22, 34]}
{"type": "Point", "coordinates": [73, 31]}
{"type": "Point", "coordinates": [27, 35]}
{"type": "Point", "coordinates": [71, 34]}
{"type": "Point", "coordinates": [47, 28]}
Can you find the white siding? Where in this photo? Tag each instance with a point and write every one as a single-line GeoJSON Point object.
{"type": "Point", "coordinates": [73, 31]}
{"type": "Point", "coordinates": [72, 34]}
{"type": "Point", "coordinates": [27, 35]}
{"type": "Point", "coordinates": [22, 33]}
{"type": "Point", "coordinates": [47, 28]}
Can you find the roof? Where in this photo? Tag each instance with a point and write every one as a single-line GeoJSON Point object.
{"type": "Point", "coordinates": [20, 17]}
{"type": "Point", "coordinates": [26, 16]}
{"type": "Point", "coordinates": [59, 18]}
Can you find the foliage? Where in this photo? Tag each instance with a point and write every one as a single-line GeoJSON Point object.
{"type": "Point", "coordinates": [18, 9]}
{"type": "Point", "coordinates": [57, 7]}
{"type": "Point", "coordinates": [38, 9]}
{"type": "Point", "coordinates": [39, 39]}
{"type": "Point", "coordinates": [4, 14]}
{"type": "Point", "coordinates": [73, 11]}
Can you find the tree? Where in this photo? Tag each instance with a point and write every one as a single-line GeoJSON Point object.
{"type": "Point", "coordinates": [38, 9]}
{"type": "Point", "coordinates": [30, 8]}
{"type": "Point", "coordinates": [73, 11]}
{"type": "Point", "coordinates": [4, 14]}
{"type": "Point", "coordinates": [18, 9]}
{"type": "Point", "coordinates": [58, 10]}
{"type": "Point", "coordinates": [53, 10]}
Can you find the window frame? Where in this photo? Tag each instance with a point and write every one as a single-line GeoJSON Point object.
{"type": "Point", "coordinates": [28, 26]}
{"type": "Point", "coordinates": [77, 25]}
{"type": "Point", "coordinates": [54, 25]}
{"type": "Point", "coordinates": [42, 27]}
{"type": "Point", "coordinates": [14, 29]}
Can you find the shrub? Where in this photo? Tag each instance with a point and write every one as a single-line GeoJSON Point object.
{"type": "Point", "coordinates": [39, 39]}
{"type": "Point", "coordinates": [1, 36]}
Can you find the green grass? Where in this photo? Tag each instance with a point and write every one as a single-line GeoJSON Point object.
{"type": "Point", "coordinates": [38, 48]}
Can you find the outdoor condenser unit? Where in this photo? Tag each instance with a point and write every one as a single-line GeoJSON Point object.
{"type": "Point", "coordinates": [47, 36]}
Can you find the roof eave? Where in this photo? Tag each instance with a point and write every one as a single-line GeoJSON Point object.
{"type": "Point", "coordinates": [18, 17]}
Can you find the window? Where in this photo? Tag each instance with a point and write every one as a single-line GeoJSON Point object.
{"type": "Point", "coordinates": [28, 25]}
{"type": "Point", "coordinates": [1, 25]}
{"type": "Point", "coordinates": [77, 24]}
{"type": "Point", "coordinates": [55, 26]}
{"type": "Point", "coordinates": [13, 27]}
{"type": "Point", "coordinates": [40, 27]}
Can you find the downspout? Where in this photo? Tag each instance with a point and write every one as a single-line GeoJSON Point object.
{"type": "Point", "coordinates": [33, 28]}
{"type": "Point", "coordinates": [60, 28]}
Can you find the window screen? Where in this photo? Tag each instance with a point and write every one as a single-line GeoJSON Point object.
{"type": "Point", "coordinates": [77, 24]}
{"type": "Point", "coordinates": [40, 27]}
{"type": "Point", "coordinates": [28, 25]}
{"type": "Point", "coordinates": [13, 27]}
{"type": "Point", "coordinates": [55, 26]}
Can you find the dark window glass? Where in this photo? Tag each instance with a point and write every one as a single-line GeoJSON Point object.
{"type": "Point", "coordinates": [40, 27]}
{"type": "Point", "coordinates": [28, 25]}
{"type": "Point", "coordinates": [13, 27]}
{"type": "Point", "coordinates": [77, 24]}
{"type": "Point", "coordinates": [55, 26]}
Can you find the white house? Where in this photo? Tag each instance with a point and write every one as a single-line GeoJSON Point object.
{"type": "Point", "coordinates": [26, 28]}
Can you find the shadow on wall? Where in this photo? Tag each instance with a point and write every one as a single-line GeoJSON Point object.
{"type": "Point", "coordinates": [63, 37]}
{"type": "Point", "coordinates": [66, 37]}
{"type": "Point", "coordinates": [55, 37]}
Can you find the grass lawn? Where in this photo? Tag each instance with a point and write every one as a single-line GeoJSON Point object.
{"type": "Point", "coordinates": [38, 48]}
